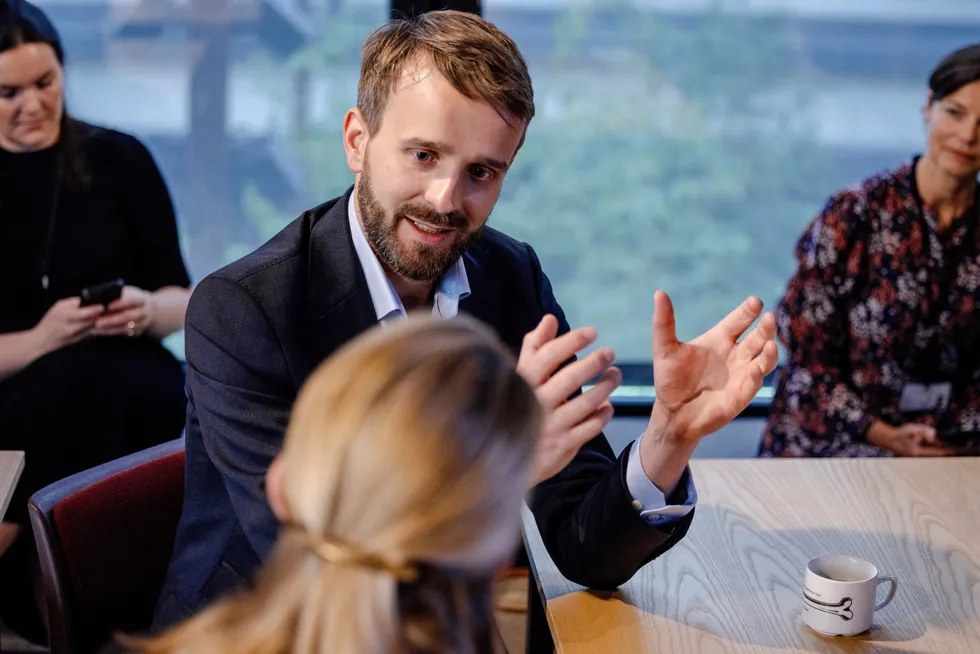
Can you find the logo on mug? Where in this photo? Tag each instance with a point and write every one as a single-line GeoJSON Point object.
{"type": "Point", "coordinates": [841, 609]}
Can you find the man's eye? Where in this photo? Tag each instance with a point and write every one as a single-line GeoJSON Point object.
{"type": "Point", "coordinates": [481, 172]}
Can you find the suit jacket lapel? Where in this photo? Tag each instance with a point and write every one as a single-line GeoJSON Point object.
{"type": "Point", "coordinates": [485, 301]}
{"type": "Point", "coordinates": [340, 302]}
{"type": "Point", "coordinates": [338, 296]}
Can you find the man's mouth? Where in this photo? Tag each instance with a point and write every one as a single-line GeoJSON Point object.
{"type": "Point", "coordinates": [430, 229]}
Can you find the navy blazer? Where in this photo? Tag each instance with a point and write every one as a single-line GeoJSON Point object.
{"type": "Point", "coordinates": [257, 328]}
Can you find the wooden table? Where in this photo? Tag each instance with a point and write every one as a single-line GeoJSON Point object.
{"type": "Point", "coordinates": [11, 465]}
{"type": "Point", "coordinates": [734, 583]}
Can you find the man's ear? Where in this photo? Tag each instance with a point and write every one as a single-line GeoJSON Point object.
{"type": "Point", "coordinates": [356, 136]}
{"type": "Point", "coordinates": [274, 490]}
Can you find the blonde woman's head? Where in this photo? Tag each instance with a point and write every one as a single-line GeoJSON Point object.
{"type": "Point", "coordinates": [407, 457]}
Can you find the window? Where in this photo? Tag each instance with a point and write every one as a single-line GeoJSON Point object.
{"type": "Point", "coordinates": [679, 144]}
{"type": "Point", "coordinates": [240, 102]}
{"type": "Point", "coordinates": [684, 145]}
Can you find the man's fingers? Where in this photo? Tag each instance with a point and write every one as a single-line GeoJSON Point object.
{"type": "Point", "coordinates": [571, 413]}
{"type": "Point", "coordinates": [538, 367]}
{"type": "Point", "coordinates": [769, 359]}
{"type": "Point", "coordinates": [764, 332]}
{"type": "Point", "coordinates": [664, 327]}
{"type": "Point", "coordinates": [758, 368]}
{"type": "Point", "coordinates": [544, 332]}
{"type": "Point", "coordinates": [566, 444]}
{"type": "Point", "coordinates": [734, 324]}
{"type": "Point", "coordinates": [764, 364]}
{"type": "Point", "coordinates": [591, 427]}
{"type": "Point", "coordinates": [556, 352]}
{"type": "Point", "coordinates": [572, 377]}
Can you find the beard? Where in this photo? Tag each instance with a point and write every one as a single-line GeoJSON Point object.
{"type": "Point", "coordinates": [419, 262]}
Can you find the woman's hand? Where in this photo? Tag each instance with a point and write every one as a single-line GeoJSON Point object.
{"type": "Point", "coordinates": [65, 323]}
{"type": "Point", "coordinates": [910, 439]}
{"type": "Point", "coordinates": [131, 315]}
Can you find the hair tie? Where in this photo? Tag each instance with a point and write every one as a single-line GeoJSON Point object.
{"type": "Point", "coordinates": [334, 550]}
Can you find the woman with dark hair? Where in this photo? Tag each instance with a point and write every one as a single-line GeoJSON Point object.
{"type": "Point", "coordinates": [880, 321]}
{"type": "Point", "coordinates": [79, 206]}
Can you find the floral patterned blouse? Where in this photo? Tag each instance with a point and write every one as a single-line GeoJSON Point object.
{"type": "Point", "coordinates": [881, 297]}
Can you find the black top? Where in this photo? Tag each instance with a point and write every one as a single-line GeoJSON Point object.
{"type": "Point", "coordinates": [104, 397]}
{"type": "Point", "coordinates": [120, 224]}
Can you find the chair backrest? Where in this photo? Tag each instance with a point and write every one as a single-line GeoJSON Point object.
{"type": "Point", "coordinates": [104, 539]}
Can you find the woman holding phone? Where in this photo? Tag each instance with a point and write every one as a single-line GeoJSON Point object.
{"type": "Point", "coordinates": [80, 207]}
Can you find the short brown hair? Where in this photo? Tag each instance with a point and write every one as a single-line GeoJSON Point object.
{"type": "Point", "coordinates": [476, 57]}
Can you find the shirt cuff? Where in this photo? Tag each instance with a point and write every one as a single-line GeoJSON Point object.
{"type": "Point", "coordinates": [649, 501]}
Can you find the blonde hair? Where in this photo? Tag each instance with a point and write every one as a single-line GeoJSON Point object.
{"type": "Point", "coordinates": [476, 57]}
{"type": "Point", "coordinates": [412, 445]}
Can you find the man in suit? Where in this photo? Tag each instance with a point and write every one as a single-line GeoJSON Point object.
{"type": "Point", "coordinates": [443, 104]}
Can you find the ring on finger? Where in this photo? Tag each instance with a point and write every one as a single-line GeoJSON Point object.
{"type": "Point", "coordinates": [131, 328]}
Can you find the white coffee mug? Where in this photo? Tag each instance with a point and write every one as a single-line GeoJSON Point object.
{"type": "Point", "coordinates": [839, 594]}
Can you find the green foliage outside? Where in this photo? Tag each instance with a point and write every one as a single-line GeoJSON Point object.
{"type": "Point", "coordinates": [675, 163]}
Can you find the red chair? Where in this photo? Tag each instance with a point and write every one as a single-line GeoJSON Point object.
{"type": "Point", "coordinates": [104, 539]}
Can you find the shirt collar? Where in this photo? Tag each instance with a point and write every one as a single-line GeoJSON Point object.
{"type": "Point", "coordinates": [452, 287]}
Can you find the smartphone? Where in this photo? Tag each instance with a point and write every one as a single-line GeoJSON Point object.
{"type": "Point", "coordinates": [104, 293]}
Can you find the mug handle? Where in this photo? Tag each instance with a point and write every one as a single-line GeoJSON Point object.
{"type": "Point", "coordinates": [891, 591]}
